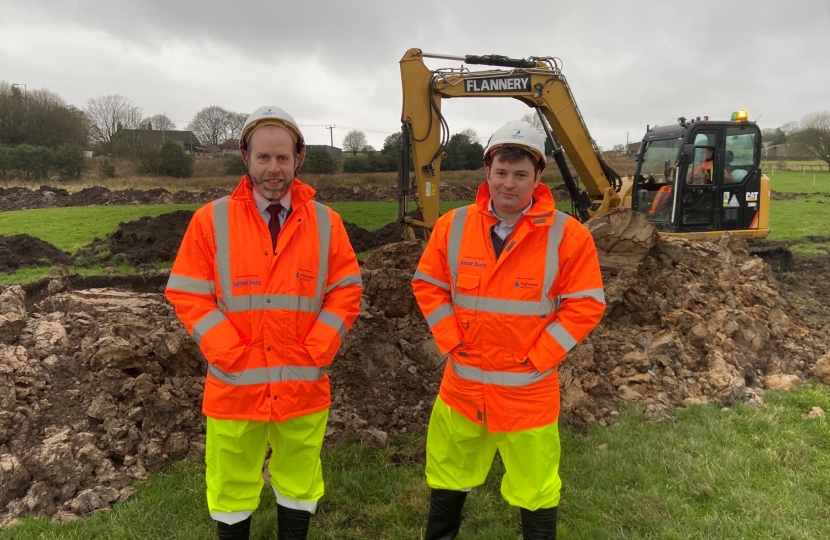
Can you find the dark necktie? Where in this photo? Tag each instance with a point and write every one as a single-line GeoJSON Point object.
{"type": "Point", "coordinates": [274, 223]}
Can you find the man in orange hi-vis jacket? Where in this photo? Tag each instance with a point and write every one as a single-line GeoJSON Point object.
{"type": "Point", "coordinates": [508, 286]}
{"type": "Point", "coordinates": [267, 283]}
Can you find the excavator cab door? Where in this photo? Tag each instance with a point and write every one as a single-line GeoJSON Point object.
{"type": "Point", "coordinates": [699, 183]}
{"type": "Point", "coordinates": [721, 187]}
{"type": "Point", "coordinates": [740, 193]}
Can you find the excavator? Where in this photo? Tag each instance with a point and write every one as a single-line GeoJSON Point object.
{"type": "Point", "coordinates": [694, 179]}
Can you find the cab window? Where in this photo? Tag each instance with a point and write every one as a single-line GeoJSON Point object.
{"type": "Point", "coordinates": [740, 154]}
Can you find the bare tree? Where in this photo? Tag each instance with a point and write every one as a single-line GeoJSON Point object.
{"type": "Point", "coordinates": [209, 125]}
{"type": "Point", "coordinates": [235, 123]}
{"type": "Point", "coordinates": [471, 135]}
{"type": "Point", "coordinates": [354, 141]}
{"type": "Point", "coordinates": [105, 114]}
{"type": "Point", "coordinates": [789, 128]}
{"type": "Point", "coordinates": [159, 122]}
{"type": "Point", "coordinates": [814, 136]}
{"type": "Point", "coordinates": [533, 120]}
{"type": "Point", "coordinates": [215, 125]}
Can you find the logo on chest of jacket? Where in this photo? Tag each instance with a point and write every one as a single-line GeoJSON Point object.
{"type": "Point", "coordinates": [304, 275]}
{"type": "Point", "coordinates": [247, 282]}
{"type": "Point", "coordinates": [474, 264]}
{"type": "Point", "coordinates": [526, 283]}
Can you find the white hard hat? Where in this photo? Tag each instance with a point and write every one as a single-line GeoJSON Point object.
{"type": "Point", "coordinates": [270, 115]}
{"type": "Point", "coordinates": [520, 134]}
{"type": "Point", "coordinates": [701, 139]}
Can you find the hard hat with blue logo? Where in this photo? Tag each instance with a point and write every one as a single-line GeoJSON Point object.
{"type": "Point", "coordinates": [519, 134]}
{"type": "Point", "coordinates": [273, 116]}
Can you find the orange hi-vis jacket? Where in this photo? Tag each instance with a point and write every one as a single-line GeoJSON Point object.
{"type": "Point", "coordinates": [268, 322]}
{"type": "Point", "coordinates": [508, 323]}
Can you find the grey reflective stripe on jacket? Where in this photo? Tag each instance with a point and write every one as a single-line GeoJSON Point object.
{"type": "Point", "coordinates": [266, 375]}
{"type": "Point", "coordinates": [439, 314]}
{"type": "Point", "coordinates": [206, 323]}
{"type": "Point", "coordinates": [500, 378]}
{"type": "Point", "coordinates": [561, 336]}
{"type": "Point", "coordinates": [423, 276]}
{"type": "Point", "coordinates": [191, 285]}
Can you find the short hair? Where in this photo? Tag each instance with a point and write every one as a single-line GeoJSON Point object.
{"type": "Point", "coordinates": [513, 155]}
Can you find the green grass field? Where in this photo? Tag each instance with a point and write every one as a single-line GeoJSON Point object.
{"type": "Point", "coordinates": [807, 214]}
{"type": "Point", "coordinates": [75, 226]}
{"type": "Point", "coordinates": [739, 473]}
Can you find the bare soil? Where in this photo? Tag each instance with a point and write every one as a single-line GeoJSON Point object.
{"type": "Point", "coordinates": [140, 242]}
{"type": "Point", "coordinates": [24, 251]}
{"type": "Point", "coordinates": [20, 198]}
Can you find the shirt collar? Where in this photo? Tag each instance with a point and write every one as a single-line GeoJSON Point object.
{"type": "Point", "coordinates": [262, 203]}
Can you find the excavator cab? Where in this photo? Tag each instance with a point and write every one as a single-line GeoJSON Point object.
{"type": "Point", "coordinates": [699, 178]}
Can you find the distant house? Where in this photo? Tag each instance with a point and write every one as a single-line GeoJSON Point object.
{"type": "Point", "coordinates": [333, 151]}
{"type": "Point", "coordinates": [229, 147]}
{"type": "Point", "coordinates": [155, 137]}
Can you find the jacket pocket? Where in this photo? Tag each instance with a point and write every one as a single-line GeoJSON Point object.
{"type": "Point", "coordinates": [467, 291]}
{"type": "Point", "coordinates": [466, 302]}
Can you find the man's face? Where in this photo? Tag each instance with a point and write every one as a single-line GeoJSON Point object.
{"type": "Point", "coordinates": [271, 161]}
{"type": "Point", "coordinates": [512, 184]}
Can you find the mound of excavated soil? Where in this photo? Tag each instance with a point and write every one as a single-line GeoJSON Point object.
{"type": "Point", "coordinates": [809, 283]}
{"type": "Point", "coordinates": [100, 387]}
{"type": "Point", "coordinates": [697, 322]}
{"type": "Point", "coordinates": [140, 242]}
{"type": "Point", "coordinates": [24, 251]}
{"type": "Point", "coordinates": [364, 240]}
{"type": "Point", "coordinates": [19, 198]}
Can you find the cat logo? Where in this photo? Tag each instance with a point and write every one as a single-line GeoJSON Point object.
{"type": "Point", "coordinates": [751, 196]}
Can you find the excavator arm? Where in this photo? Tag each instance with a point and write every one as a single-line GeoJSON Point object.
{"type": "Point", "coordinates": [536, 82]}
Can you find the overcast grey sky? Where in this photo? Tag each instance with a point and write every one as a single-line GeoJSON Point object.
{"type": "Point", "coordinates": [629, 62]}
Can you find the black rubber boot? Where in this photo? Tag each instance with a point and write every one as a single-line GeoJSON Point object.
{"type": "Point", "coordinates": [444, 514]}
{"type": "Point", "coordinates": [237, 531]}
{"type": "Point", "coordinates": [292, 524]}
{"type": "Point", "coordinates": [539, 524]}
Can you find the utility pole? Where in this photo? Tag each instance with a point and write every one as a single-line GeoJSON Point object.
{"type": "Point", "coordinates": [331, 137]}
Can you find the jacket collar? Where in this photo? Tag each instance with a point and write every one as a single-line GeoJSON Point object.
{"type": "Point", "coordinates": [543, 203]}
{"type": "Point", "coordinates": [301, 193]}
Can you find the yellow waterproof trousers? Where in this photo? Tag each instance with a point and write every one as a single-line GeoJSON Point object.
{"type": "Point", "coordinates": [235, 454]}
{"type": "Point", "coordinates": [460, 453]}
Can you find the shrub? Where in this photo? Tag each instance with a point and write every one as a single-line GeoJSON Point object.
{"type": "Point", "coordinates": [5, 160]}
{"type": "Point", "coordinates": [235, 165]}
{"type": "Point", "coordinates": [318, 161]}
{"type": "Point", "coordinates": [175, 161]}
{"type": "Point", "coordinates": [169, 160]}
{"type": "Point", "coordinates": [70, 160]}
{"type": "Point", "coordinates": [107, 169]}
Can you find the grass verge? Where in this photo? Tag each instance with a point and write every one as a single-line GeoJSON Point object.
{"type": "Point", "coordinates": [72, 227]}
{"type": "Point", "coordinates": [715, 474]}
